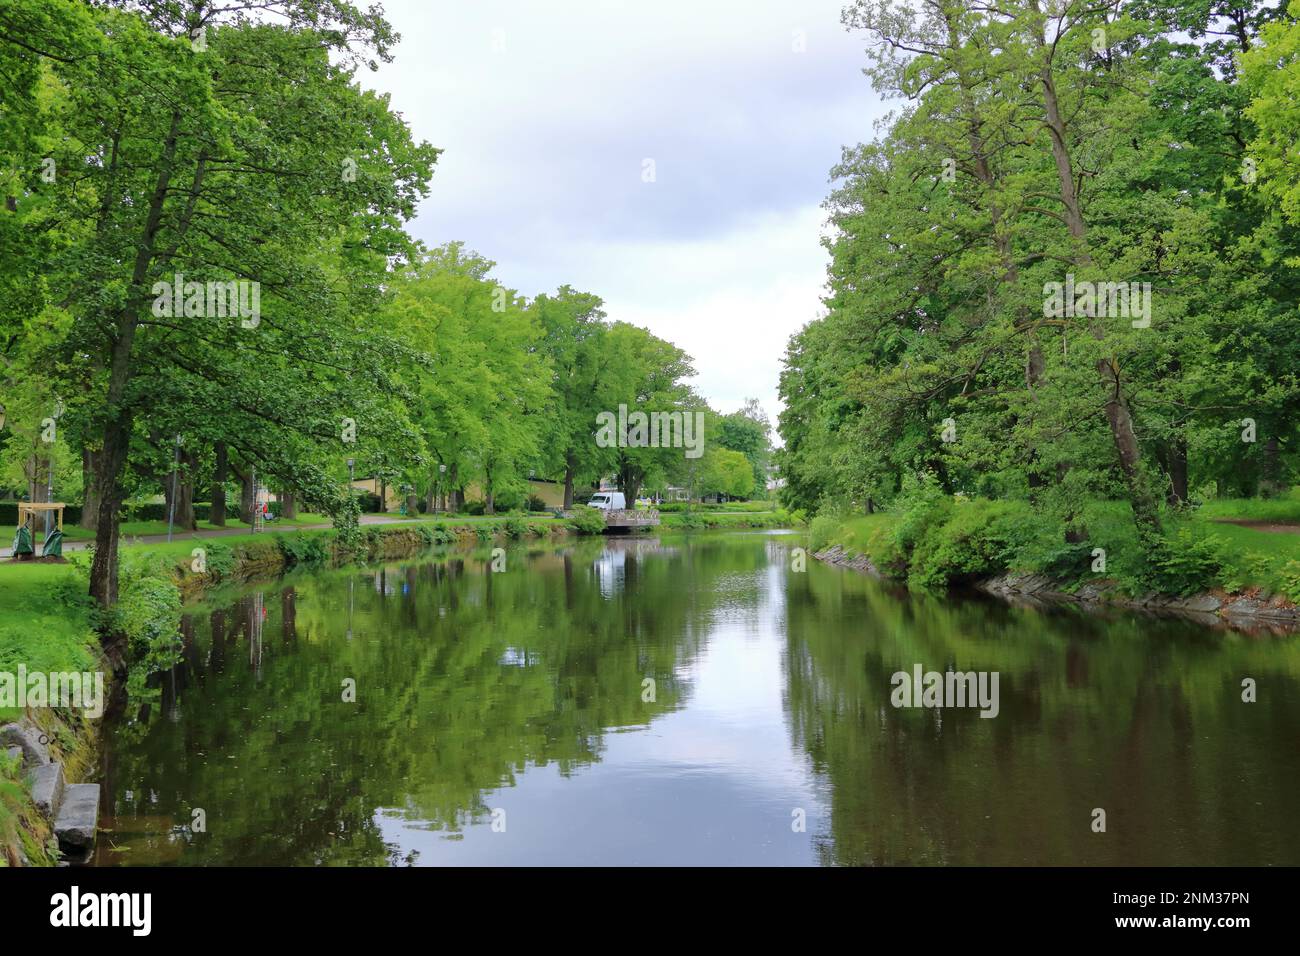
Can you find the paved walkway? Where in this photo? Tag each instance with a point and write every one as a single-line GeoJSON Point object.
{"type": "Point", "coordinates": [82, 545]}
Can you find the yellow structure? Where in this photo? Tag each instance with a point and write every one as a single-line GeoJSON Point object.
{"type": "Point", "coordinates": [28, 509]}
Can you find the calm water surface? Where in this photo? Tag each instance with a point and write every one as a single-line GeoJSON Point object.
{"type": "Point", "coordinates": [506, 718]}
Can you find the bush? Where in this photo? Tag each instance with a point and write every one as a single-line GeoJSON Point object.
{"type": "Point", "coordinates": [587, 520]}
{"type": "Point", "coordinates": [535, 503]}
{"type": "Point", "coordinates": [977, 538]}
{"type": "Point", "coordinates": [148, 614]}
{"type": "Point", "coordinates": [475, 507]}
{"type": "Point", "coordinates": [303, 550]}
{"type": "Point", "coordinates": [1184, 564]}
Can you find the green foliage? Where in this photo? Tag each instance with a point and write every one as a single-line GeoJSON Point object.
{"type": "Point", "coordinates": [220, 559]}
{"type": "Point", "coordinates": [1025, 159]}
{"type": "Point", "coordinates": [303, 550]}
{"type": "Point", "coordinates": [824, 530]}
{"type": "Point", "coordinates": [1185, 564]}
{"type": "Point", "coordinates": [1290, 581]}
{"type": "Point", "coordinates": [21, 825]}
{"type": "Point", "coordinates": [972, 539]}
{"type": "Point", "coordinates": [148, 615]}
{"type": "Point", "coordinates": [585, 520]}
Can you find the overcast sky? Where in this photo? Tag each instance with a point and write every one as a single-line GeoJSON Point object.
{"type": "Point", "coordinates": [548, 112]}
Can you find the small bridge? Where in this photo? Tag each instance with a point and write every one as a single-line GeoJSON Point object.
{"type": "Point", "coordinates": [630, 518]}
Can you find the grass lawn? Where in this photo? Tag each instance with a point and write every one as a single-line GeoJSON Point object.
{"type": "Point", "coordinates": [1284, 509]}
{"type": "Point", "coordinates": [44, 621]}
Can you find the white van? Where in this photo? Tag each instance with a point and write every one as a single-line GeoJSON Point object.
{"type": "Point", "coordinates": [608, 501]}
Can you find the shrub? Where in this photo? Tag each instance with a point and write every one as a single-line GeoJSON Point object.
{"type": "Point", "coordinates": [1290, 580]}
{"type": "Point", "coordinates": [920, 507]}
{"type": "Point", "coordinates": [516, 526]}
{"type": "Point", "coordinates": [1184, 564]}
{"type": "Point", "coordinates": [474, 507]}
{"type": "Point", "coordinates": [220, 558]}
{"type": "Point", "coordinates": [586, 520]}
{"type": "Point", "coordinates": [303, 550]}
{"type": "Point", "coordinates": [977, 538]}
{"type": "Point", "coordinates": [535, 503]}
{"type": "Point", "coordinates": [148, 614]}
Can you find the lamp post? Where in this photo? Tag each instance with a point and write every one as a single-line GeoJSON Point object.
{"type": "Point", "coordinates": [176, 473]}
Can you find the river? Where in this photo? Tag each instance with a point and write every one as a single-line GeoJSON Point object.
{"type": "Point", "coordinates": [691, 699]}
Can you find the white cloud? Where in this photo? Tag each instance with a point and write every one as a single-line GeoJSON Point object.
{"type": "Point", "coordinates": [544, 144]}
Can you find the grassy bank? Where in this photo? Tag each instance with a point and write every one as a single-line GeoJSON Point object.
{"type": "Point", "coordinates": [721, 519]}
{"type": "Point", "coordinates": [45, 624]}
{"type": "Point", "coordinates": [932, 541]}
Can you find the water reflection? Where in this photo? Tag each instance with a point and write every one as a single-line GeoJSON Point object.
{"type": "Point", "coordinates": [690, 700]}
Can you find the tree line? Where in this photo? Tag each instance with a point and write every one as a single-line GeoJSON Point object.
{"type": "Point", "coordinates": [1066, 269]}
{"type": "Point", "coordinates": [204, 235]}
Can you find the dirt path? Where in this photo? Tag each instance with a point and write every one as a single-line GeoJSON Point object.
{"type": "Point", "coordinates": [1272, 527]}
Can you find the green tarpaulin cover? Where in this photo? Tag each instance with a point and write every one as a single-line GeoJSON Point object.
{"type": "Point", "coordinates": [53, 544]}
{"type": "Point", "coordinates": [23, 541]}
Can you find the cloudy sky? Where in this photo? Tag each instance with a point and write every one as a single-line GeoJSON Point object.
{"type": "Point", "coordinates": [549, 114]}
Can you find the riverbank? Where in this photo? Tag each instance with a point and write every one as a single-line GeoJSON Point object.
{"type": "Point", "coordinates": [45, 626]}
{"type": "Point", "coordinates": [1209, 567]}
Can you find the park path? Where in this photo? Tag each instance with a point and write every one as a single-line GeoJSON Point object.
{"type": "Point", "coordinates": [219, 533]}
{"type": "Point", "coordinates": [1272, 527]}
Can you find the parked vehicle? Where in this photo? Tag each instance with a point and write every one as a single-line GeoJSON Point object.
{"type": "Point", "coordinates": [608, 501]}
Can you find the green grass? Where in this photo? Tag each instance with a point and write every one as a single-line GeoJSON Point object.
{"type": "Point", "coordinates": [1284, 509]}
{"type": "Point", "coordinates": [44, 621]}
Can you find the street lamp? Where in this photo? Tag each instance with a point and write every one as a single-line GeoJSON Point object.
{"type": "Point", "coordinates": [176, 473]}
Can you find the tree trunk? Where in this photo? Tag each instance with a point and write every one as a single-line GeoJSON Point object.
{"type": "Point", "coordinates": [178, 492]}
{"type": "Point", "coordinates": [1130, 456]}
{"type": "Point", "coordinates": [38, 472]}
{"type": "Point", "coordinates": [489, 494]}
{"type": "Point", "coordinates": [247, 497]}
{"type": "Point", "coordinates": [104, 564]}
{"type": "Point", "coordinates": [1270, 479]}
{"type": "Point", "coordinates": [629, 481]}
{"type": "Point", "coordinates": [1177, 468]}
{"type": "Point", "coordinates": [568, 481]}
{"type": "Point", "coordinates": [288, 505]}
{"type": "Point", "coordinates": [220, 472]}
{"type": "Point", "coordinates": [89, 498]}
